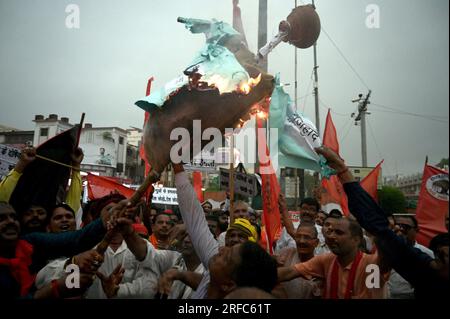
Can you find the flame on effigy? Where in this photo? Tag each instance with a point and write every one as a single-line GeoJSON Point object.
{"type": "Point", "coordinates": [245, 87]}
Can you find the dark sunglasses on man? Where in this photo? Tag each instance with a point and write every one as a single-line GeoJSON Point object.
{"type": "Point", "coordinates": [404, 227]}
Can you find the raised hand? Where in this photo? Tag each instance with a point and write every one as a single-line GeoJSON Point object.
{"type": "Point", "coordinates": [333, 159]}
{"type": "Point", "coordinates": [27, 156]}
{"type": "Point", "coordinates": [77, 157]}
{"type": "Point", "coordinates": [165, 282]}
{"type": "Point", "coordinates": [111, 283]}
{"type": "Point", "coordinates": [88, 261]}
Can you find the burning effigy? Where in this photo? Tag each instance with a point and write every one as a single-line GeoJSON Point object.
{"type": "Point", "coordinates": [221, 87]}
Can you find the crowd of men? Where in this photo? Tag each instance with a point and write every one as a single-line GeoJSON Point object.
{"type": "Point", "coordinates": [118, 250]}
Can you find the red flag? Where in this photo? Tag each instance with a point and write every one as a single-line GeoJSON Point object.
{"type": "Point", "coordinates": [329, 135]}
{"type": "Point", "coordinates": [197, 181]}
{"type": "Point", "coordinates": [100, 186]}
{"type": "Point", "coordinates": [146, 118]}
{"type": "Point", "coordinates": [333, 192]}
{"type": "Point", "coordinates": [433, 204]}
{"type": "Point", "coordinates": [332, 189]}
{"type": "Point", "coordinates": [237, 21]}
{"type": "Point", "coordinates": [370, 182]}
{"type": "Point", "coordinates": [270, 193]}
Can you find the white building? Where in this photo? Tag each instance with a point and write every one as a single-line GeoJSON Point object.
{"type": "Point", "coordinates": [134, 136]}
{"type": "Point", "coordinates": [105, 148]}
{"type": "Point", "coordinates": [46, 128]}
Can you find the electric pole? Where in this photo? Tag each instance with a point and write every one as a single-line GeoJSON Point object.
{"type": "Point", "coordinates": [361, 117]}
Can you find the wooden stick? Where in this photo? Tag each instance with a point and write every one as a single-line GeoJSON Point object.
{"type": "Point", "coordinates": [152, 177]}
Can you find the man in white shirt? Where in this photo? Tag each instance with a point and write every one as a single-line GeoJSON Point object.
{"type": "Point", "coordinates": [309, 208]}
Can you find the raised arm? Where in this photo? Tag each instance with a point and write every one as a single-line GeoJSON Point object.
{"type": "Point", "coordinates": [74, 194]}
{"type": "Point", "coordinates": [9, 183]}
{"type": "Point", "coordinates": [189, 278]}
{"type": "Point", "coordinates": [412, 264]}
{"type": "Point", "coordinates": [194, 218]}
{"type": "Point", "coordinates": [285, 216]}
{"type": "Point", "coordinates": [50, 245]}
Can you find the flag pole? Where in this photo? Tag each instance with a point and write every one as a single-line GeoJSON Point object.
{"type": "Point", "coordinates": [79, 129]}
{"type": "Point", "coordinates": [231, 179]}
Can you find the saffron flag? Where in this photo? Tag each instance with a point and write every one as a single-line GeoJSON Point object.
{"type": "Point", "coordinates": [43, 183]}
{"type": "Point", "coordinates": [332, 189]}
{"type": "Point", "coordinates": [270, 192]}
{"type": "Point", "coordinates": [99, 186]}
{"type": "Point", "coordinates": [197, 181]}
{"type": "Point", "coordinates": [370, 182]}
{"type": "Point", "coordinates": [433, 204]}
{"type": "Point", "coordinates": [329, 135]}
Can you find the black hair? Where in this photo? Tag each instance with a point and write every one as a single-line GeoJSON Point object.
{"type": "Point", "coordinates": [256, 269]}
{"type": "Point", "coordinates": [355, 228]}
{"type": "Point", "coordinates": [412, 218]}
{"type": "Point", "coordinates": [323, 212]}
{"type": "Point", "coordinates": [311, 201]}
{"type": "Point", "coordinates": [62, 205]}
{"type": "Point", "coordinates": [212, 217]}
{"type": "Point", "coordinates": [439, 241]}
{"type": "Point", "coordinates": [336, 213]}
{"type": "Point", "coordinates": [95, 206]}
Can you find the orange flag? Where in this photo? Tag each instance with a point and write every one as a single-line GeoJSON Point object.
{"type": "Point", "coordinates": [329, 135]}
{"type": "Point", "coordinates": [99, 186]}
{"type": "Point", "coordinates": [332, 189]}
{"type": "Point", "coordinates": [270, 193]}
{"type": "Point", "coordinates": [197, 181]}
{"type": "Point", "coordinates": [433, 204]}
{"type": "Point", "coordinates": [333, 192]}
{"type": "Point", "coordinates": [370, 182]}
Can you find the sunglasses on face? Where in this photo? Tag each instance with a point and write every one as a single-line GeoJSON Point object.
{"type": "Point", "coordinates": [405, 227]}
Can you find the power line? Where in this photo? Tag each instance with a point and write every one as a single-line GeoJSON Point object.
{"type": "Point", "coordinates": [345, 125]}
{"type": "Point", "coordinates": [345, 59]}
{"type": "Point", "coordinates": [426, 116]}
{"type": "Point", "coordinates": [325, 106]}
{"type": "Point", "coordinates": [348, 131]}
{"type": "Point", "coordinates": [416, 115]}
{"type": "Point", "coordinates": [376, 145]}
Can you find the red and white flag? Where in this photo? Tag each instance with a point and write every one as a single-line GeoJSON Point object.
{"type": "Point", "coordinates": [433, 204]}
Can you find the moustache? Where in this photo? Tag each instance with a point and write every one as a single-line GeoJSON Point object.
{"type": "Point", "coordinates": [34, 219]}
{"type": "Point", "coordinates": [11, 227]}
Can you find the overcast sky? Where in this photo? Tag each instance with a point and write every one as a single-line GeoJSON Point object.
{"type": "Point", "coordinates": [102, 68]}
